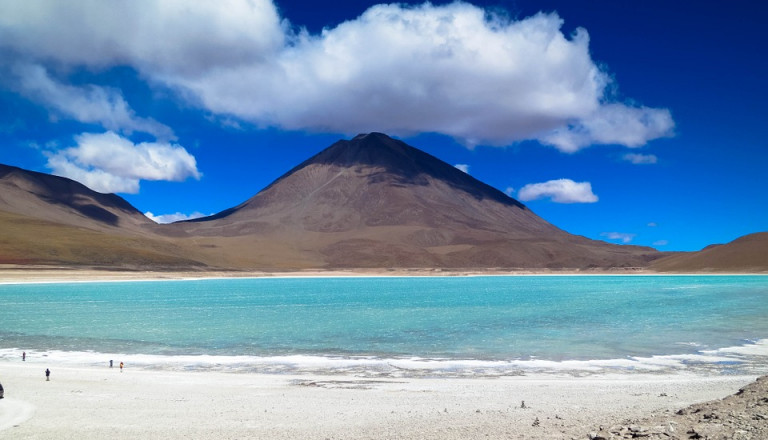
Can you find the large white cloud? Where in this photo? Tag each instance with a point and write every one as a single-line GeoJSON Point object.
{"type": "Point", "coordinates": [447, 69]}
{"type": "Point", "coordinates": [453, 69]}
{"type": "Point", "coordinates": [559, 191]}
{"type": "Point", "coordinates": [107, 162]}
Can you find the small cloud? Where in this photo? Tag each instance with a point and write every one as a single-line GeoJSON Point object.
{"type": "Point", "coordinates": [463, 167]}
{"type": "Point", "coordinates": [620, 236]}
{"type": "Point", "coordinates": [560, 191]}
{"type": "Point", "coordinates": [612, 124]}
{"type": "Point", "coordinates": [509, 191]}
{"type": "Point", "coordinates": [652, 224]}
{"type": "Point", "coordinates": [661, 243]}
{"type": "Point", "coordinates": [641, 159]}
{"type": "Point", "coordinates": [108, 162]}
{"type": "Point", "coordinates": [170, 218]}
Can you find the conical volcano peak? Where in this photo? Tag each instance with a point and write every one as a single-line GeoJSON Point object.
{"type": "Point", "coordinates": [375, 201]}
{"type": "Point", "coordinates": [373, 136]}
{"type": "Point", "coordinates": [377, 140]}
{"type": "Point", "coordinates": [376, 149]}
{"type": "Point", "coordinates": [402, 163]}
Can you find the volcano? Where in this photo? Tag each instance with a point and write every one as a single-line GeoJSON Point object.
{"type": "Point", "coordinates": [376, 202]}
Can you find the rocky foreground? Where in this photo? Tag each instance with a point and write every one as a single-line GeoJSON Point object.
{"type": "Point", "coordinates": [742, 416]}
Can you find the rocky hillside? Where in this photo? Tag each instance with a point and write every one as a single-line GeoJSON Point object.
{"type": "Point", "coordinates": [743, 415]}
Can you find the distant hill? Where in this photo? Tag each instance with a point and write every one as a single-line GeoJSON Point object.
{"type": "Point", "coordinates": [375, 202]}
{"type": "Point", "coordinates": [65, 201]}
{"type": "Point", "coordinates": [50, 220]}
{"type": "Point", "coordinates": [745, 254]}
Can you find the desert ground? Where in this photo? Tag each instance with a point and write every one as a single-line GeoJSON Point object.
{"type": "Point", "coordinates": [88, 402]}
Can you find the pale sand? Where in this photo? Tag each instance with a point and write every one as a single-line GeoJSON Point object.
{"type": "Point", "coordinates": [103, 403]}
{"type": "Point", "coordinates": [38, 274]}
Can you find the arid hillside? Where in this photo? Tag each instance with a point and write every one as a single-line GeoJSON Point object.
{"type": "Point", "coordinates": [747, 254]}
{"type": "Point", "coordinates": [50, 220]}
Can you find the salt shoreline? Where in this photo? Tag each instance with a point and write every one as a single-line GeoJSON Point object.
{"type": "Point", "coordinates": [743, 360]}
{"type": "Point", "coordinates": [100, 402]}
{"type": "Point", "coordinates": [22, 275]}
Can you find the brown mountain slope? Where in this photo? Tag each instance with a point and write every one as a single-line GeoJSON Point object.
{"type": "Point", "coordinates": [65, 201]}
{"type": "Point", "coordinates": [31, 241]}
{"type": "Point", "coordinates": [50, 220]}
{"type": "Point", "coordinates": [745, 254]}
{"type": "Point", "coordinates": [376, 202]}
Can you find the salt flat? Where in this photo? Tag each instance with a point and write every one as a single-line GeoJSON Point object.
{"type": "Point", "coordinates": [99, 402]}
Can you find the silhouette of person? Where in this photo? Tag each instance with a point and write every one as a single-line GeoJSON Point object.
{"type": "Point", "coordinates": [24, 356]}
{"type": "Point", "coordinates": [110, 363]}
{"type": "Point", "coordinates": [47, 374]}
{"type": "Point", "coordinates": [121, 366]}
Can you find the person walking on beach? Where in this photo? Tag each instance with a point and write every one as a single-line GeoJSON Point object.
{"type": "Point", "coordinates": [47, 374]}
{"type": "Point", "coordinates": [23, 355]}
{"type": "Point", "coordinates": [110, 363]}
{"type": "Point", "coordinates": [121, 366]}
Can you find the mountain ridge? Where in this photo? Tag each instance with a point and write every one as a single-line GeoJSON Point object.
{"type": "Point", "coordinates": [76, 202]}
{"type": "Point", "coordinates": [369, 202]}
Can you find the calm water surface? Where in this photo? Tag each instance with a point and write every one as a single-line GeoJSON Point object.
{"type": "Point", "coordinates": [437, 325]}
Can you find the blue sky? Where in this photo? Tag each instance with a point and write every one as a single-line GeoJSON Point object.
{"type": "Point", "coordinates": [630, 122]}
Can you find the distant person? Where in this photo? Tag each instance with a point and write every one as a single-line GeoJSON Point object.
{"type": "Point", "coordinates": [24, 356]}
{"type": "Point", "coordinates": [121, 366]}
{"type": "Point", "coordinates": [47, 374]}
{"type": "Point", "coordinates": [110, 363]}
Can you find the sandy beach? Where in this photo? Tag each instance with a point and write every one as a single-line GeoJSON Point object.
{"type": "Point", "coordinates": [14, 274]}
{"type": "Point", "coordinates": [98, 403]}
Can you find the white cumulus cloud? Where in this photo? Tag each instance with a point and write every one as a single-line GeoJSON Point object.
{"type": "Point", "coordinates": [454, 69]}
{"type": "Point", "coordinates": [107, 162]}
{"type": "Point", "coordinates": [559, 191]}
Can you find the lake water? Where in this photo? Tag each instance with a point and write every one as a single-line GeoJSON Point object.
{"type": "Point", "coordinates": [433, 326]}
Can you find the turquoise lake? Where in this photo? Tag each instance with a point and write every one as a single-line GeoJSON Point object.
{"type": "Point", "coordinates": [391, 326]}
